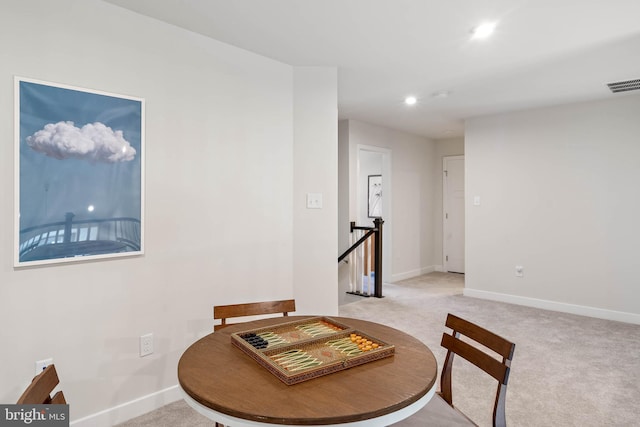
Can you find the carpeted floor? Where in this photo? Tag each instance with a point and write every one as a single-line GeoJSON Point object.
{"type": "Point", "coordinates": [567, 370]}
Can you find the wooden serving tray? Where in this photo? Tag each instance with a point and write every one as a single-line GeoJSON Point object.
{"type": "Point", "coordinates": [305, 349]}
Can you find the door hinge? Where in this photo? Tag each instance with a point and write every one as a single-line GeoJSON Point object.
{"type": "Point", "coordinates": [446, 216]}
{"type": "Point", "coordinates": [447, 257]}
{"type": "Point", "coordinates": [446, 173]}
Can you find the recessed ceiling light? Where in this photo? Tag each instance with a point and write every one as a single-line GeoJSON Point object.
{"type": "Point", "coordinates": [410, 100]}
{"type": "Point", "coordinates": [483, 30]}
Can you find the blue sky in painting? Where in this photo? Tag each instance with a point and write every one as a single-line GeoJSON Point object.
{"type": "Point", "coordinates": [67, 168]}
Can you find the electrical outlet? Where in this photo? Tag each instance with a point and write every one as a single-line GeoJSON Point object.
{"type": "Point", "coordinates": [519, 271]}
{"type": "Point", "coordinates": [42, 364]}
{"type": "Point", "coordinates": [146, 345]}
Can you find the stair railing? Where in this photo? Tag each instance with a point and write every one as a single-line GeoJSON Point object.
{"type": "Point", "coordinates": [364, 257]}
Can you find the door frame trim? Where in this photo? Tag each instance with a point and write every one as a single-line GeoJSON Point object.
{"type": "Point", "coordinates": [444, 207]}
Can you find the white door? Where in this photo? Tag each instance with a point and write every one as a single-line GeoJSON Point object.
{"type": "Point", "coordinates": [453, 215]}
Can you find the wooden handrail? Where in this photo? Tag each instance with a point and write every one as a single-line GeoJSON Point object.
{"type": "Point", "coordinates": [356, 244]}
{"type": "Point", "coordinates": [359, 227]}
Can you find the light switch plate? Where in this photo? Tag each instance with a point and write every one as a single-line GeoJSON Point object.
{"type": "Point", "coordinates": [314, 200]}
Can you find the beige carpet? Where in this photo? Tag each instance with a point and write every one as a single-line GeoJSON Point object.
{"type": "Point", "coordinates": [567, 370]}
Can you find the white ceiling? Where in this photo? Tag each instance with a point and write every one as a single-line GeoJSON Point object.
{"type": "Point", "coordinates": [543, 52]}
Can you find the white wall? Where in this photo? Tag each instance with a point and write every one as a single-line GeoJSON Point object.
{"type": "Point", "coordinates": [413, 189]}
{"type": "Point", "coordinates": [220, 223]}
{"type": "Point", "coordinates": [558, 190]}
{"type": "Point", "coordinates": [315, 273]}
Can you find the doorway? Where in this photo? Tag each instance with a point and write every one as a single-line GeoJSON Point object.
{"type": "Point", "coordinates": [453, 214]}
{"type": "Point", "coordinates": [375, 161]}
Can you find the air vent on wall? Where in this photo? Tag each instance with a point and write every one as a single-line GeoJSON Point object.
{"type": "Point", "coordinates": [624, 86]}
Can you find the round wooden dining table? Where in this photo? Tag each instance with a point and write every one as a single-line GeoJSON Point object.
{"type": "Point", "coordinates": [223, 383]}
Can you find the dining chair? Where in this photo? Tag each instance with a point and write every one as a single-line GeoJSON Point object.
{"type": "Point", "coordinates": [224, 312]}
{"type": "Point", "coordinates": [440, 411]}
{"type": "Point", "coordinates": [39, 391]}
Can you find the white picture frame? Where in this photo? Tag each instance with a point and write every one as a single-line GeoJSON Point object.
{"type": "Point", "coordinates": [374, 196]}
{"type": "Point", "coordinates": [79, 174]}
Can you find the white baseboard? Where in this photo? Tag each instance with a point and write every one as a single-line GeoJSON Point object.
{"type": "Point", "coordinates": [413, 273]}
{"type": "Point", "coordinates": [582, 310]}
{"type": "Point", "coordinates": [128, 410]}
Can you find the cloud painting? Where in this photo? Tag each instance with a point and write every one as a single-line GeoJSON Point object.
{"type": "Point", "coordinates": [80, 173]}
{"type": "Point", "coordinates": [94, 142]}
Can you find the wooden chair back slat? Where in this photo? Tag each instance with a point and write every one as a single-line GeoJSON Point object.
{"type": "Point", "coordinates": [39, 391]}
{"type": "Point", "coordinates": [224, 312]}
{"type": "Point", "coordinates": [481, 335]}
{"type": "Point", "coordinates": [483, 361]}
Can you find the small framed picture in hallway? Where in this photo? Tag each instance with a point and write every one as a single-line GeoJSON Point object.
{"type": "Point", "coordinates": [375, 196]}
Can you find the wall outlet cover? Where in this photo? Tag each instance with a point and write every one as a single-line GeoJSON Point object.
{"type": "Point", "coordinates": [146, 345]}
{"type": "Point", "coordinates": [42, 364]}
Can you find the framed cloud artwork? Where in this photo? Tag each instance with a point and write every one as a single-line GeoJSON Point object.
{"type": "Point", "coordinates": [79, 174]}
